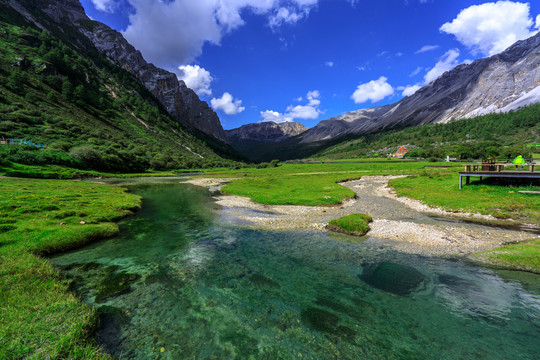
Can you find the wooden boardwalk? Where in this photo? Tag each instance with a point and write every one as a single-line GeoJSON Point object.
{"type": "Point", "coordinates": [496, 171]}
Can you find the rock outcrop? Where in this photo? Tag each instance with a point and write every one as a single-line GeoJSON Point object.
{"type": "Point", "coordinates": [179, 100]}
{"type": "Point", "coordinates": [499, 83]}
{"type": "Point", "coordinates": [265, 132]}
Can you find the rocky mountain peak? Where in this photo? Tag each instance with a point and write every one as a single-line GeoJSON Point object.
{"type": "Point", "coordinates": [267, 131]}
{"type": "Point", "coordinates": [180, 101]}
{"type": "Point", "coordinates": [499, 83]}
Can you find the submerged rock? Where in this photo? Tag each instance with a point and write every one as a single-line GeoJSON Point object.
{"type": "Point", "coordinates": [320, 320]}
{"type": "Point", "coordinates": [111, 321]}
{"type": "Point", "coordinates": [261, 280]}
{"type": "Point", "coordinates": [394, 278]}
{"type": "Point", "coordinates": [114, 284]}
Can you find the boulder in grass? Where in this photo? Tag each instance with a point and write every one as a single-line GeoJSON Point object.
{"type": "Point", "coordinates": [394, 278]}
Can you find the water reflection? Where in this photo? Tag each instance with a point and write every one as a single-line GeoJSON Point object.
{"type": "Point", "coordinates": [178, 284]}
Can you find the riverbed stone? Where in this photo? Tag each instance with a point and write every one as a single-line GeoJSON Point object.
{"type": "Point", "coordinates": [391, 277]}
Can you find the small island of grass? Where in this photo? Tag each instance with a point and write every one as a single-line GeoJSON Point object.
{"type": "Point", "coordinates": [353, 224]}
{"type": "Point", "coordinates": [524, 256]}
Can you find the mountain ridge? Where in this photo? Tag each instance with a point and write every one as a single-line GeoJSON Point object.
{"type": "Point", "coordinates": [484, 86]}
{"type": "Point", "coordinates": [265, 131]}
{"type": "Point", "coordinates": [180, 101]}
{"type": "Point", "coordinates": [57, 89]}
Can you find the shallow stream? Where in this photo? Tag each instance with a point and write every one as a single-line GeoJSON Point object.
{"type": "Point", "coordinates": [180, 283]}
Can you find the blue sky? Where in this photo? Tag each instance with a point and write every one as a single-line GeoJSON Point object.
{"type": "Point", "coordinates": [309, 60]}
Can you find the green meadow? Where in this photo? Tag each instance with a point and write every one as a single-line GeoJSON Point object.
{"type": "Point", "coordinates": [520, 256]}
{"type": "Point", "coordinates": [441, 190]}
{"type": "Point", "coordinates": [39, 317]}
{"type": "Point", "coordinates": [435, 184]}
{"type": "Point", "coordinates": [307, 184]}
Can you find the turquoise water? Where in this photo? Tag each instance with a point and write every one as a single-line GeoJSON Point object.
{"type": "Point", "coordinates": [179, 284]}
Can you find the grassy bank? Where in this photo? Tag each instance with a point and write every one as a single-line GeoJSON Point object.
{"type": "Point", "coordinates": [442, 190]}
{"type": "Point", "coordinates": [65, 172]}
{"type": "Point", "coordinates": [435, 184]}
{"type": "Point", "coordinates": [39, 317]}
{"type": "Point", "coordinates": [523, 256]}
{"type": "Point", "coordinates": [307, 184]}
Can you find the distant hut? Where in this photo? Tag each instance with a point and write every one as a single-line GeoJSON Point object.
{"type": "Point", "coordinates": [400, 154]}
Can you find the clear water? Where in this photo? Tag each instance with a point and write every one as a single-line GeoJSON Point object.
{"type": "Point", "coordinates": [179, 284]}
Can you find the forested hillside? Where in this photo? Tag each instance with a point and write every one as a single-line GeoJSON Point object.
{"type": "Point", "coordinates": [88, 112]}
{"type": "Point", "coordinates": [501, 135]}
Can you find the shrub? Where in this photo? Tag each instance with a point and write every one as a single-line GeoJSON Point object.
{"type": "Point", "coordinates": [51, 96]}
{"type": "Point", "coordinates": [60, 146]}
{"type": "Point", "coordinates": [87, 156]}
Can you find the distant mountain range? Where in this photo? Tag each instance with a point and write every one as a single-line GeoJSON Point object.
{"type": "Point", "coordinates": [499, 83]}
{"type": "Point", "coordinates": [265, 132]}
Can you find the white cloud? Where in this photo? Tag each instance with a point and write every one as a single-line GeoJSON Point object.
{"type": "Point", "coordinates": [329, 63]}
{"type": "Point", "coordinates": [426, 48]}
{"type": "Point", "coordinates": [309, 111]}
{"type": "Point", "coordinates": [538, 22]}
{"type": "Point", "coordinates": [491, 27]}
{"type": "Point", "coordinates": [196, 78]}
{"type": "Point", "coordinates": [416, 71]}
{"type": "Point", "coordinates": [227, 104]}
{"type": "Point", "coordinates": [173, 32]}
{"type": "Point", "coordinates": [104, 5]}
{"type": "Point", "coordinates": [314, 98]}
{"type": "Point", "coordinates": [285, 16]}
{"type": "Point", "coordinates": [375, 90]}
{"type": "Point", "coordinates": [410, 89]}
{"type": "Point", "coordinates": [446, 63]}
{"type": "Point", "coordinates": [274, 116]}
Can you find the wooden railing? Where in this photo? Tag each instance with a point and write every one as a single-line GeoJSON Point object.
{"type": "Point", "coordinates": [490, 168]}
{"type": "Point", "coordinates": [484, 167]}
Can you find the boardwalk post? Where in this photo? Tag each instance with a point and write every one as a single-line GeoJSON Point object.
{"type": "Point", "coordinates": [495, 172]}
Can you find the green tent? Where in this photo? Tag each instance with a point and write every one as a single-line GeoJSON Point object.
{"type": "Point", "coordinates": [519, 160]}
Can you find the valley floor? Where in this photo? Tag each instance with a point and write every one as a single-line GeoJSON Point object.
{"type": "Point", "coordinates": [407, 224]}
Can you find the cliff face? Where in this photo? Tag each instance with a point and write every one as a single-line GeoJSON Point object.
{"type": "Point", "coordinates": [501, 82]}
{"type": "Point", "coordinates": [265, 132]}
{"type": "Point", "coordinates": [180, 101]}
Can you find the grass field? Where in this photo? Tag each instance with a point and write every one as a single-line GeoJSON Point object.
{"type": "Point", "coordinates": [521, 256]}
{"type": "Point", "coordinates": [307, 184]}
{"type": "Point", "coordinates": [435, 184]}
{"type": "Point", "coordinates": [39, 317]}
{"type": "Point", "coordinates": [65, 172]}
{"type": "Point", "coordinates": [503, 202]}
